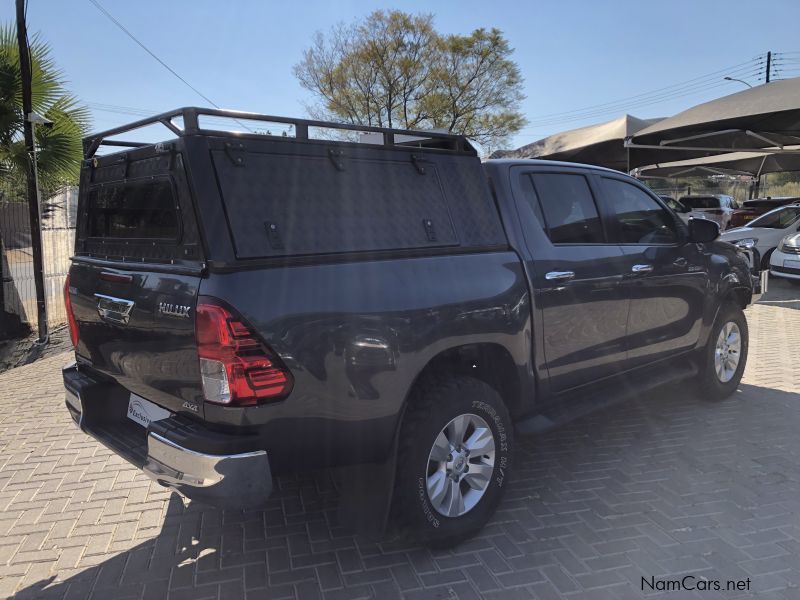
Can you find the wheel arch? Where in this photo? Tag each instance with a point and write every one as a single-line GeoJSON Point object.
{"type": "Point", "coordinates": [738, 295]}
{"type": "Point", "coordinates": [489, 362]}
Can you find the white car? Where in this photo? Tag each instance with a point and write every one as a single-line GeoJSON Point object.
{"type": "Point", "coordinates": [766, 232]}
{"type": "Point", "coordinates": [785, 261]}
{"type": "Point", "coordinates": [679, 209]}
{"type": "Point", "coordinates": [717, 208]}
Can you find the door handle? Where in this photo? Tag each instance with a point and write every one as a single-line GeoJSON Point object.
{"type": "Point", "coordinates": [641, 269]}
{"type": "Point", "coordinates": [680, 262]}
{"type": "Point", "coordinates": [559, 275]}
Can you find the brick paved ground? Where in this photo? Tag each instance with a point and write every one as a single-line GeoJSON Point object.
{"type": "Point", "coordinates": [662, 486]}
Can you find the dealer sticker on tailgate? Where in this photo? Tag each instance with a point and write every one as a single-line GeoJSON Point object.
{"type": "Point", "coordinates": [143, 411]}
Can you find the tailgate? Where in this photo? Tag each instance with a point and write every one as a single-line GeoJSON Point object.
{"type": "Point", "coordinates": [134, 280]}
{"type": "Point", "coordinates": [137, 327]}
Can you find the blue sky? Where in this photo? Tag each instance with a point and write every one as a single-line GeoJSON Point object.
{"type": "Point", "coordinates": [573, 55]}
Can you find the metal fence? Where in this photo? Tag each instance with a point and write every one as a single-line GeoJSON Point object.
{"type": "Point", "coordinates": [18, 298]}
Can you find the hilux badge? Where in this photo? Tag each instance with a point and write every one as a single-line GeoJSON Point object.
{"type": "Point", "coordinates": [173, 310]}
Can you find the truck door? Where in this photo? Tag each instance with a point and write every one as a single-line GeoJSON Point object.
{"type": "Point", "coordinates": [576, 275]}
{"type": "Point", "coordinates": [666, 277]}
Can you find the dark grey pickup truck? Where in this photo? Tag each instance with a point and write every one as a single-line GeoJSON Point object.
{"type": "Point", "coordinates": [378, 301]}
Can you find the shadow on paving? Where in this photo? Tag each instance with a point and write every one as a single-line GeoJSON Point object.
{"type": "Point", "coordinates": [661, 486]}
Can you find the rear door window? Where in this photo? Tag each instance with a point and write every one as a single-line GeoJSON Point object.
{"type": "Point", "coordinates": [134, 210]}
{"type": "Point", "coordinates": [568, 208]}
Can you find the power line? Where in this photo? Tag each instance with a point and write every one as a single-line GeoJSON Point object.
{"type": "Point", "coordinates": [750, 63]}
{"type": "Point", "coordinates": [151, 53]}
{"type": "Point", "coordinates": [653, 97]}
{"type": "Point", "coordinates": [127, 32]}
{"type": "Point", "coordinates": [754, 68]}
{"type": "Point", "coordinates": [700, 87]}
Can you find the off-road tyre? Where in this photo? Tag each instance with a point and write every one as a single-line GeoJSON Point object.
{"type": "Point", "coordinates": [711, 384]}
{"type": "Point", "coordinates": [433, 405]}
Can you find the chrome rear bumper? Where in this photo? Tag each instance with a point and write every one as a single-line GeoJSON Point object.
{"type": "Point", "coordinates": [231, 480]}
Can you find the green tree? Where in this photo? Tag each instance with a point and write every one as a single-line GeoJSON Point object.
{"type": "Point", "coordinates": [393, 69]}
{"type": "Point", "coordinates": [59, 150]}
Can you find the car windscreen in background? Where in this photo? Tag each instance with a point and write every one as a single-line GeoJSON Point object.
{"type": "Point", "coordinates": [780, 219]}
{"type": "Point", "coordinates": [700, 202]}
{"type": "Point", "coordinates": [134, 210]}
{"type": "Point", "coordinates": [289, 205]}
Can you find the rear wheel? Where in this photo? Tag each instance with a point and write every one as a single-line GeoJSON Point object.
{"type": "Point", "coordinates": [723, 360]}
{"type": "Point", "coordinates": [453, 460]}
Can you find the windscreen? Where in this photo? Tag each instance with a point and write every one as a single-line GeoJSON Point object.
{"type": "Point", "coordinates": [700, 201]}
{"type": "Point", "coordinates": [771, 203]}
{"type": "Point", "coordinates": [778, 219]}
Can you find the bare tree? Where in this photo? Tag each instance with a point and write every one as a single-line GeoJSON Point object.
{"type": "Point", "coordinates": [394, 70]}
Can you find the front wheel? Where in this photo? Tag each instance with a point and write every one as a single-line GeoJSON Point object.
{"type": "Point", "coordinates": [454, 460]}
{"type": "Point", "coordinates": [723, 360]}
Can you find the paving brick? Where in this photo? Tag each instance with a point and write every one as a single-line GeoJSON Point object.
{"type": "Point", "coordinates": [663, 485]}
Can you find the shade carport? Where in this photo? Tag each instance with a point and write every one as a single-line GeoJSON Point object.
{"type": "Point", "coordinates": [765, 118]}
{"type": "Point", "coordinates": [600, 144]}
{"type": "Point", "coordinates": [753, 164]}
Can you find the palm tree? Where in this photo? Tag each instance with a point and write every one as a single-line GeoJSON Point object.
{"type": "Point", "coordinates": [59, 150]}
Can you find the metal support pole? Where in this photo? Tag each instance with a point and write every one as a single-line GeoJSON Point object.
{"type": "Point", "coordinates": [769, 64]}
{"type": "Point", "coordinates": [33, 191]}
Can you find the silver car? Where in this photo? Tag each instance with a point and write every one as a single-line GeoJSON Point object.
{"type": "Point", "coordinates": [716, 207]}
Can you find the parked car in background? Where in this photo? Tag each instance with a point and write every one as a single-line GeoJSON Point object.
{"type": "Point", "coordinates": [785, 261]}
{"type": "Point", "coordinates": [244, 305]}
{"type": "Point", "coordinates": [766, 232]}
{"type": "Point", "coordinates": [756, 207]}
{"type": "Point", "coordinates": [679, 209]}
{"type": "Point", "coordinates": [716, 207]}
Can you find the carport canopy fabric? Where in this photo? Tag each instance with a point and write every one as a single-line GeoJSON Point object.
{"type": "Point", "coordinates": [766, 116]}
{"type": "Point", "coordinates": [600, 144]}
{"type": "Point", "coordinates": [733, 163]}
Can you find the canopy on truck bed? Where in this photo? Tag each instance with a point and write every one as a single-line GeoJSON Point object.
{"type": "Point", "coordinates": [316, 189]}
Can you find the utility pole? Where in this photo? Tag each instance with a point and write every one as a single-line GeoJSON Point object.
{"type": "Point", "coordinates": [769, 65]}
{"type": "Point", "coordinates": [33, 188]}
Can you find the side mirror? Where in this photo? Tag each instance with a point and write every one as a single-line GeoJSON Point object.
{"type": "Point", "coordinates": [684, 208]}
{"type": "Point", "coordinates": [703, 230]}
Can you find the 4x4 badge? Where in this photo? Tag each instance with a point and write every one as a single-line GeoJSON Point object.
{"type": "Point", "coordinates": [173, 310]}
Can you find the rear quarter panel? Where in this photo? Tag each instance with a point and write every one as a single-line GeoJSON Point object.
{"type": "Point", "coordinates": [356, 335]}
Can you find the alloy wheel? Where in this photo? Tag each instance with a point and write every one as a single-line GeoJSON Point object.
{"type": "Point", "coordinates": [460, 465]}
{"type": "Point", "coordinates": [728, 351]}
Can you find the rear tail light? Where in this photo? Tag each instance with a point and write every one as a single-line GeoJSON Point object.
{"type": "Point", "coordinates": [73, 324]}
{"type": "Point", "coordinates": [236, 367]}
